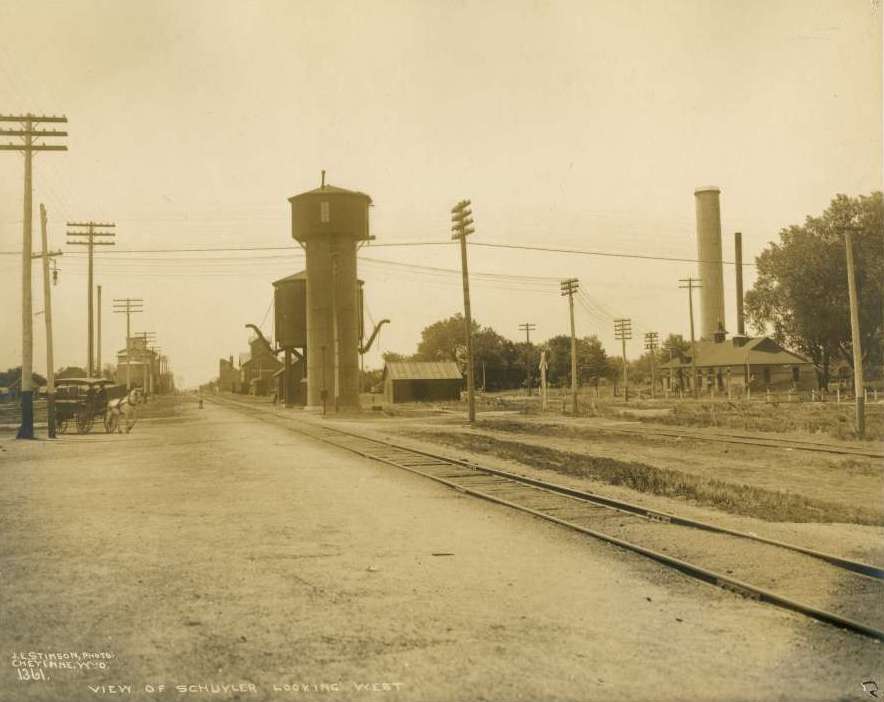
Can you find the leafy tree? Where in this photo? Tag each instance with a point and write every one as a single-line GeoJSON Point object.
{"type": "Point", "coordinates": [801, 290]}
{"type": "Point", "coordinates": [592, 361]}
{"type": "Point", "coordinates": [677, 343]}
{"type": "Point", "coordinates": [526, 364]}
{"type": "Point", "coordinates": [392, 357]}
{"type": "Point", "coordinates": [445, 340]}
{"type": "Point", "coordinates": [13, 375]}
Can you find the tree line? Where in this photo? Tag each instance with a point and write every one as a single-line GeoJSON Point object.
{"type": "Point", "coordinates": [502, 364]}
{"type": "Point", "coordinates": [799, 298]}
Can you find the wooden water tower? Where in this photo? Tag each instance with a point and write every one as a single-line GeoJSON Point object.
{"type": "Point", "coordinates": [330, 223]}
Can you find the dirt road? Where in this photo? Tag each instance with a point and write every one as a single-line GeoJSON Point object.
{"type": "Point", "coordinates": [224, 558]}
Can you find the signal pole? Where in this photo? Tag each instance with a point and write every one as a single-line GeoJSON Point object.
{"type": "Point", "coordinates": [623, 333]}
{"type": "Point", "coordinates": [29, 134]}
{"type": "Point", "coordinates": [691, 284]}
{"type": "Point", "coordinates": [47, 316]}
{"type": "Point", "coordinates": [651, 345]}
{"type": "Point", "coordinates": [856, 342]}
{"type": "Point", "coordinates": [128, 306]}
{"type": "Point", "coordinates": [90, 241]}
{"type": "Point", "coordinates": [569, 287]}
{"type": "Point", "coordinates": [462, 221]}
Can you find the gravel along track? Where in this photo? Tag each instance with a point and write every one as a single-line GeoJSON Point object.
{"type": "Point", "coordinates": [749, 567]}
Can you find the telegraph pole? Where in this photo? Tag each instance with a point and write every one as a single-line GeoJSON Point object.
{"type": "Point", "coordinates": [462, 221]}
{"type": "Point", "coordinates": [47, 316]}
{"type": "Point", "coordinates": [690, 284]}
{"type": "Point", "coordinates": [651, 345]}
{"type": "Point", "coordinates": [98, 340]}
{"type": "Point", "coordinates": [856, 342]}
{"type": "Point", "coordinates": [90, 234]}
{"type": "Point", "coordinates": [623, 333]}
{"type": "Point", "coordinates": [29, 135]}
{"type": "Point", "coordinates": [569, 287]}
{"type": "Point", "coordinates": [527, 327]}
{"type": "Point", "coordinates": [128, 306]}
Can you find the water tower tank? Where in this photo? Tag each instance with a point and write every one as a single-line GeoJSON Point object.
{"type": "Point", "coordinates": [711, 268]}
{"type": "Point", "coordinates": [329, 223]}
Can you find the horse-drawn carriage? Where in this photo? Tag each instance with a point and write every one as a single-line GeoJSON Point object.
{"type": "Point", "coordinates": [80, 401]}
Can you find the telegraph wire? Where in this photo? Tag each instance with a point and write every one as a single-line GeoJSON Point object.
{"type": "Point", "coordinates": [392, 244]}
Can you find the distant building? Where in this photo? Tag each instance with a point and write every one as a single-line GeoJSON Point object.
{"type": "Point", "coordinates": [228, 376]}
{"type": "Point", "coordinates": [755, 362]}
{"type": "Point", "coordinates": [421, 381]}
{"type": "Point", "coordinates": [257, 372]}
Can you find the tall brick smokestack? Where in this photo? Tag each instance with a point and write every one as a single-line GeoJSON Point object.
{"type": "Point", "coordinates": [710, 267]}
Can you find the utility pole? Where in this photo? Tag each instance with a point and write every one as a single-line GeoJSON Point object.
{"type": "Point", "coordinates": [90, 234]}
{"type": "Point", "coordinates": [623, 333]}
{"type": "Point", "coordinates": [98, 340]}
{"type": "Point", "coordinates": [128, 306]}
{"type": "Point", "coordinates": [543, 368]}
{"type": "Point", "coordinates": [29, 134]}
{"type": "Point", "coordinates": [569, 287]}
{"type": "Point", "coordinates": [651, 345]}
{"type": "Point", "coordinates": [856, 342]}
{"type": "Point", "coordinates": [47, 316]}
{"type": "Point", "coordinates": [690, 284]}
{"type": "Point", "coordinates": [462, 221]}
{"type": "Point", "coordinates": [527, 327]}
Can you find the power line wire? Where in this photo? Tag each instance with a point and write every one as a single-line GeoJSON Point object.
{"type": "Point", "coordinates": [484, 244]}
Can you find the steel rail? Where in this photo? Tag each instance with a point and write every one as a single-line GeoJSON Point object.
{"type": "Point", "coordinates": [698, 572]}
{"type": "Point", "coordinates": [656, 515]}
{"type": "Point", "coordinates": [747, 440]}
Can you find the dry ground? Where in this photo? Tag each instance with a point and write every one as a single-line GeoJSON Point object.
{"type": "Point", "coordinates": [217, 549]}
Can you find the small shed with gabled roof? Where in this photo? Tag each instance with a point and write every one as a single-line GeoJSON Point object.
{"type": "Point", "coordinates": [421, 381]}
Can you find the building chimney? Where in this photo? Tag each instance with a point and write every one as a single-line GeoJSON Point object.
{"type": "Point", "coordinates": [710, 266]}
{"type": "Point", "coordinates": [738, 265]}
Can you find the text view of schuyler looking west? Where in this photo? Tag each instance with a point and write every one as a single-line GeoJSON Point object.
{"type": "Point", "coordinates": [428, 351]}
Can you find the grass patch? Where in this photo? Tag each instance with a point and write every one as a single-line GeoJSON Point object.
{"type": "Point", "coordinates": [770, 505]}
{"type": "Point", "coordinates": [830, 419]}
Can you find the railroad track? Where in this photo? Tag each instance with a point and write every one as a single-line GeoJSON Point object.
{"type": "Point", "coordinates": [750, 440]}
{"type": "Point", "coordinates": [821, 586]}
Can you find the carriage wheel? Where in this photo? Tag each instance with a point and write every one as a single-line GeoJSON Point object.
{"type": "Point", "coordinates": [84, 421]}
{"type": "Point", "coordinates": [61, 425]}
{"type": "Point", "coordinates": [111, 422]}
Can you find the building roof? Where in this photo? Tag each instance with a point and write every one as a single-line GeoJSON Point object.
{"type": "Point", "coordinates": [422, 370]}
{"type": "Point", "coordinates": [756, 351]}
{"type": "Point", "coordinates": [331, 190]}
{"type": "Point", "coordinates": [297, 276]}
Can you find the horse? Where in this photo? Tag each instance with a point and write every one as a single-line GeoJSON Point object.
{"type": "Point", "coordinates": [123, 413]}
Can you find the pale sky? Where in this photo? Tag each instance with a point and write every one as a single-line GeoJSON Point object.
{"type": "Point", "coordinates": [569, 124]}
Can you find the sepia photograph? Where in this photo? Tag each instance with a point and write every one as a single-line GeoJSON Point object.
{"type": "Point", "coordinates": [441, 350]}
